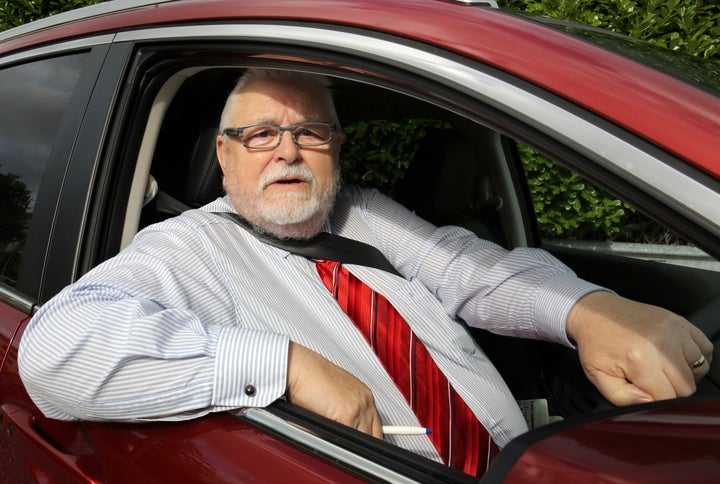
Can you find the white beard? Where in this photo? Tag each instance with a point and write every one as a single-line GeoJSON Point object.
{"type": "Point", "coordinates": [287, 215]}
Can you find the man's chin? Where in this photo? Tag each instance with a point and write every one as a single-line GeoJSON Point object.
{"type": "Point", "coordinates": [290, 223]}
{"type": "Point", "coordinates": [287, 216]}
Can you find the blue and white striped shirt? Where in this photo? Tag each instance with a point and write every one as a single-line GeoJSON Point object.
{"type": "Point", "coordinates": [196, 308]}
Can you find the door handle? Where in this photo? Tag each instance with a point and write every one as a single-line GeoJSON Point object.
{"type": "Point", "coordinates": [45, 458]}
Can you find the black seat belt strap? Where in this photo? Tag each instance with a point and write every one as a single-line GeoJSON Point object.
{"type": "Point", "coordinates": [323, 246]}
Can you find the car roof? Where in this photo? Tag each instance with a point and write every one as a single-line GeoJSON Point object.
{"type": "Point", "coordinates": [680, 118]}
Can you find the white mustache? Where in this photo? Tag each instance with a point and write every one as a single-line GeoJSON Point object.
{"type": "Point", "coordinates": [282, 171]}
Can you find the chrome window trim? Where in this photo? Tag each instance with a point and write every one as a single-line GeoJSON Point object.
{"type": "Point", "coordinates": [618, 156]}
{"type": "Point", "coordinates": [268, 420]}
{"type": "Point", "coordinates": [478, 3]}
{"type": "Point", "coordinates": [52, 49]}
{"type": "Point", "coordinates": [15, 300]}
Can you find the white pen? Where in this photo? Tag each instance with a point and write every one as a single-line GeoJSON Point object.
{"type": "Point", "coordinates": [403, 430]}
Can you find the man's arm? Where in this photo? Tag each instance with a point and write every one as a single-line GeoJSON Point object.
{"type": "Point", "coordinates": [97, 354]}
{"type": "Point", "coordinates": [149, 334]}
{"type": "Point", "coordinates": [529, 293]}
{"type": "Point", "coordinates": [635, 352]}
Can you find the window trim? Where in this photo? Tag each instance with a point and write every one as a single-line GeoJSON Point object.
{"type": "Point", "coordinates": [56, 49]}
{"type": "Point", "coordinates": [67, 245]}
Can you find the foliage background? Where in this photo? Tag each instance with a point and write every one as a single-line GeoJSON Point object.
{"type": "Point", "coordinates": [18, 12]}
{"type": "Point", "coordinates": [566, 205]}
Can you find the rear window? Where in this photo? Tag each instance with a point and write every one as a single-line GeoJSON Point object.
{"type": "Point", "coordinates": [34, 97]}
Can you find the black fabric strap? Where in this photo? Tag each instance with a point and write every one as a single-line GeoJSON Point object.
{"type": "Point", "coordinates": [323, 246]}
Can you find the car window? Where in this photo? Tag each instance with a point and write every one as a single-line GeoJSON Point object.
{"type": "Point", "coordinates": [34, 97]}
{"type": "Point", "coordinates": [572, 212]}
{"type": "Point", "coordinates": [377, 153]}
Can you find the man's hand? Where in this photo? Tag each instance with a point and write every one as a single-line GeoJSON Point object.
{"type": "Point", "coordinates": [318, 385]}
{"type": "Point", "coordinates": [635, 352]}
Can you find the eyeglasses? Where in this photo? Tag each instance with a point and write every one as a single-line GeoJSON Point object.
{"type": "Point", "coordinates": [269, 136]}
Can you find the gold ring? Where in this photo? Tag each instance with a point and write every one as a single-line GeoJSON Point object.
{"type": "Point", "coordinates": [700, 362]}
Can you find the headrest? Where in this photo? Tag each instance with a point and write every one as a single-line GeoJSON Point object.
{"type": "Point", "coordinates": [439, 182]}
{"type": "Point", "coordinates": [204, 180]}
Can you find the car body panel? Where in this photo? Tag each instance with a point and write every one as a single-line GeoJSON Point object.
{"type": "Point", "coordinates": [8, 332]}
{"type": "Point", "coordinates": [217, 449]}
{"type": "Point", "coordinates": [490, 59]}
{"type": "Point", "coordinates": [639, 446]}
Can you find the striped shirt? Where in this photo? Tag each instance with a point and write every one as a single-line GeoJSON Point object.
{"type": "Point", "coordinates": [196, 309]}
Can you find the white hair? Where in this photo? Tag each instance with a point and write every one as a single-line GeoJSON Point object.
{"type": "Point", "coordinates": [316, 82]}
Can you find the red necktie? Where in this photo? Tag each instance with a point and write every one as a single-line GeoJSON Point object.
{"type": "Point", "coordinates": [460, 438]}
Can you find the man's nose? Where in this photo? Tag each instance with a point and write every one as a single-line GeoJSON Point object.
{"type": "Point", "coordinates": [287, 150]}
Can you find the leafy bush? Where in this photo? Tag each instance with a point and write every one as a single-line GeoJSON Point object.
{"type": "Point", "coordinates": [377, 153]}
{"type": "Point", "coordinates": [690, 26]}
{"type": "Point", "coordinates": [569, 207]}
{"type": "Point", "coordinates": [18, 12]}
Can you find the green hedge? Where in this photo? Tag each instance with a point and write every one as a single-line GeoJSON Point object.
{"type": "Point", "coordinates": [690, 26]}
{"type": "Point", "coordinates": [17, 12]}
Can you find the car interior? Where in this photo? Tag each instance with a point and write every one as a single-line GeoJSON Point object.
{"type": "Point", "coordinates": [460, 172]}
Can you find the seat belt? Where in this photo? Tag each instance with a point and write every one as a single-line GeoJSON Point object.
{"type": "Point", "coordinates": [323, 246]}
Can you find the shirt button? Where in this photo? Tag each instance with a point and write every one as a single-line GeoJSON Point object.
{"type": "Point", "coordinates": [250, 390]}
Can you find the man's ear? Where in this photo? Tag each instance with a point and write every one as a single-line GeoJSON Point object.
{"type": "Point", "coordinates": [337, 141]}
{"type": "Point", "coordinates": [221, 152]}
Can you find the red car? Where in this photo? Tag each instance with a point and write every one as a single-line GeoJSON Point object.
{"type": "Point", "coordinates": [109, 119]}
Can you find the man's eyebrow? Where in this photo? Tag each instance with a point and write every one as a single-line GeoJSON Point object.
{"type": "Point", "coordinates": [271, 121]}
{"type": "Point", "coordinates": [261, 121]}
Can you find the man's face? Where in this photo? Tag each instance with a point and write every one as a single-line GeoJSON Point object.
{"type": "Point", "coordinates": [288, 190]}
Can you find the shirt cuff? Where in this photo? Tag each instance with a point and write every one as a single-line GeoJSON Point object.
{"type": "Point", "coordinates": [250, 368]}
{"type": "Point", "coordinates": [553, 304]}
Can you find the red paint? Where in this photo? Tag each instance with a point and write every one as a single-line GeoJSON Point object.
{"type": "Point", "coordinates": [677, 443]}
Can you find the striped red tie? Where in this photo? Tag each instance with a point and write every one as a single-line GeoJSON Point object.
{"type": "Point", "coordinates": [462, 441]}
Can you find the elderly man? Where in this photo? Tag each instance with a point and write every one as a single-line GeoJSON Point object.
{"type": "Point", "coordinates": [200, 315]}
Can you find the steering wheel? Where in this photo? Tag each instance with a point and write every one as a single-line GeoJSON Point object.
{"type": "Point", "coordinates": [569, 391]}
{"type": "Point", "coordinates": [707, 319]}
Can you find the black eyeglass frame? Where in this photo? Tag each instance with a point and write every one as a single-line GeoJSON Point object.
{"type": "Point", "coordinates": [238, 133]}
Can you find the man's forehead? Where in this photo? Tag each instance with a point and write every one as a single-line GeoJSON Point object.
{"type": "Point", "coordinates": [270, 98]}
